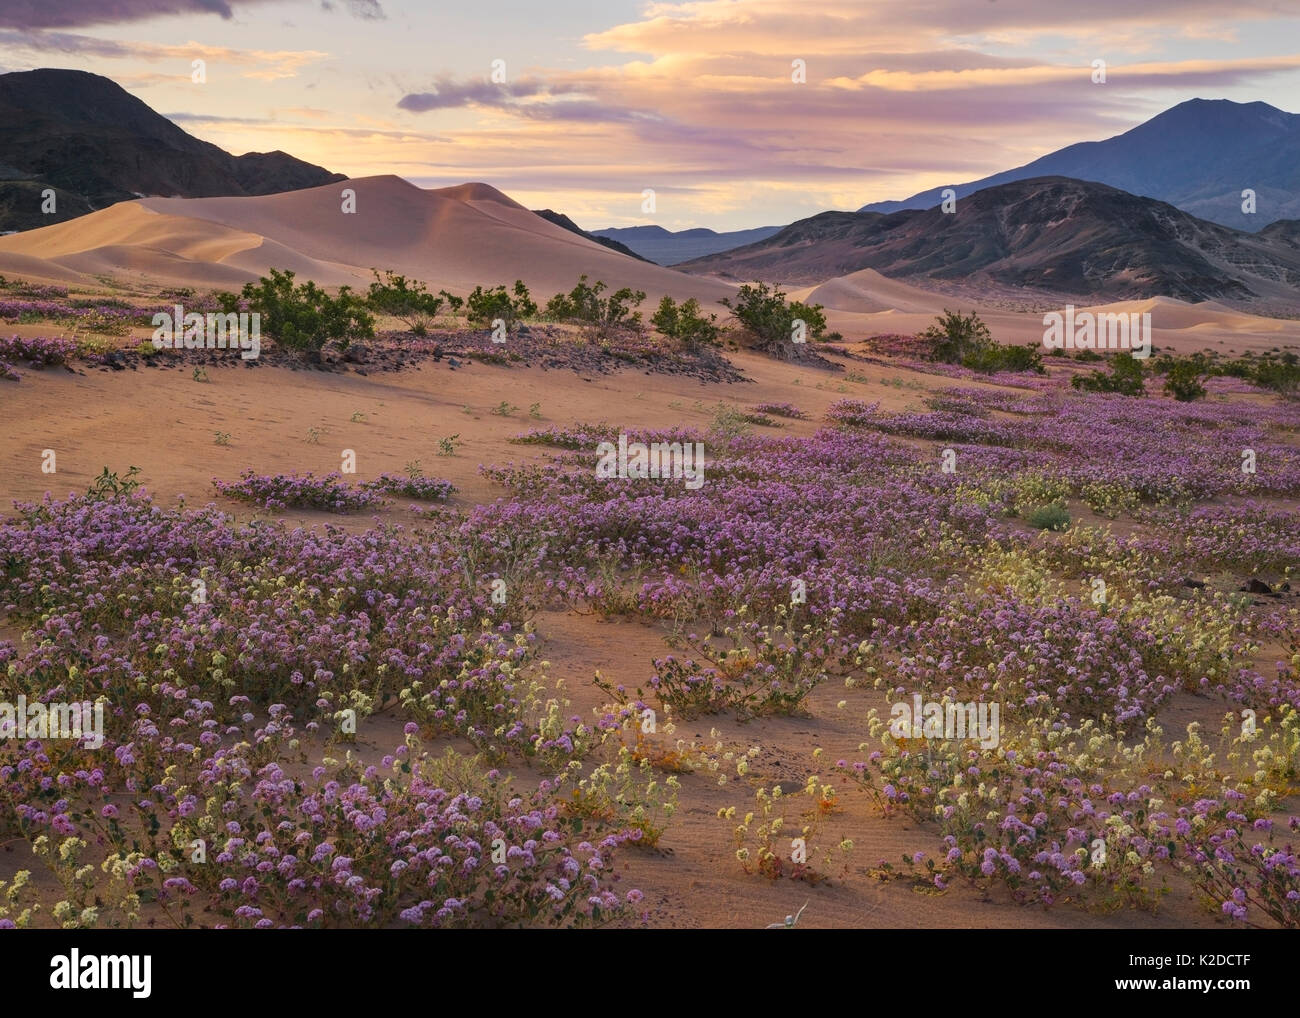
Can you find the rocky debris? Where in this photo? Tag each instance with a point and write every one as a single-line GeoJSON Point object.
{"type": "Point", "coordinates": [542, 346]}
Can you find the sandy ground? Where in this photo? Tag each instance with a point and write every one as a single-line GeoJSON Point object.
{"type": "Point", "coordinates": [165, 422]}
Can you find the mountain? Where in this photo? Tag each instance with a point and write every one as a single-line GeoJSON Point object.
{"type": "Point", "coordinates": [96, 144]}
{"type": "Point", "coordinates": [450, 237]}
{"type": "Point", "coordinates": [1199, 155]}
{"type": "Point", "coordinates": [656, 244]}
{"type": "Point", "coordinates": [564, 222]}
{"type": "Point", "coordinates": [1051, 235]}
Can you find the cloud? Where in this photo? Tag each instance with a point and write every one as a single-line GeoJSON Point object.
{"type": "Point", "coordinates": [449, 94]}
{"type": "Point", "coordinates": [366, 10]}
{"type": "Point", "coordinates": [43, 14]}
{"type": "Point", "coordinates": [264, 65]}
{"type": "Point", "coordinates": [79, 13]}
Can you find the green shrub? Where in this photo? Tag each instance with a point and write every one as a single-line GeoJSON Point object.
{"type": "Point", "coordinates": [302, 317]}
{"type": "Point", "coordinates": [1053, 516]}
{"type": "Point", "coordinates": [603, 315]}
{"type": "Point", "coordinates": [1125, 377]}
{"type": "Point", "coordinates": [1183, 381]}
{"type": "Point", "coordinates": [1281, 375]}
{"type": "Point", "coordinates": [770, 319]}
{"type": "Point", "coordinates": [109, 485]}
{"type": "Point", "coordinates": [487, 306]}
{"type": "Point", "coordinates": [684, 323]}
{"type": "Point", "coordinates": [407, 300]}
{"type": "Point", "coordinates": [953, 337]}
{"type": "Point", "coordinates": [995, 357]}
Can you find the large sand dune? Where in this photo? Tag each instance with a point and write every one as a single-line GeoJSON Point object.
{"type": "Point", "coordinates": [458, 237]}
{"type": "Point", "coordinates": [865, 303]}
{"type": "Point", "coordinates": [455, 237]}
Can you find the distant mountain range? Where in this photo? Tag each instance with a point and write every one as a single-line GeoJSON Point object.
{"type": "Point", "coordinates": [95, 144]}
{"type": "Point", "coordinates": [1051, 235]}
{"type": "Point", "coordinates": [563, 221]}
{"type": "Point", "coordinates": [667, 248]}
{"type": "Point", "coordinates": [1199, 155]}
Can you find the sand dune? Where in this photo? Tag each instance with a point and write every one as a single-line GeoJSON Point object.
{"type": "Point", "coordinates": [865, 303]}
{"type": "Point", "coordinates": [458, 237]}
{"type": "Point", "coordinates": [453, 237]}
{"type": "Point", "coordinates": [868, 292]}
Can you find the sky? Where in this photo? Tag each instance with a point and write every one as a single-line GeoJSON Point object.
{"type": "Point", "coordinates": [735, 113]}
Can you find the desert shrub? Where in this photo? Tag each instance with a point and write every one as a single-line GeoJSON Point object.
{"type": "Point", "coordinates": [585, 304]}
{"type": "Point", "coordinates": [1281, 375]}
{"type": "Point", "coordinates": [108, 485]}
{"type": "Point", "coordinates": [766, 315]}
{"type": "Point", "coordinates": [1183, 381]}
{"type": "Point", "coordinates": [407, 300]}
{"type": "Point", "coordinates": [1125, 377]}
{"type": "Point", "coordinates": [497, 304]}
{"type": "Point", "coordinates": [1053, 516]}
{"type": "Point", "coordinates": [953, 337]}
{"type": "Point", "coordinates": [729, 423]}
{"type": "Point", "coordinates": [994, 357]}
{"type": "Point", "coordinates": [302, 316]}
{"type": "Point", "coordinates": [684, 323]}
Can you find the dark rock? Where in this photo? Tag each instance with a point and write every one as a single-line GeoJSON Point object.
{"type": "Point", "coordinates": [1257, 586]}
{"type": "Point", "coordinates": [1196, 584]}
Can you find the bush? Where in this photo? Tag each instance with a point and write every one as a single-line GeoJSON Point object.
{"type": "Point", "coordinates": [685, 324]}
{"type": "Point", "coordinates": [302, 317]}
{"type": "Point", "coordinates": [766, 315]}
{"type": "Point", "coordinates": [1053, 516]}
{"type": "Point", "coordinates": [409, 301]}
{"type": "Point", "coordinates": [1183, 381]}
{"type": "Point", "coordinates": [994, 357]}
{"type": "Point", "coordinates": [412, 485]}
{"type": "Point", "coordinates": [1125, 378]}
{"type": "Point", "coordinates": [294, 491]}
{"type": "Point", "coordinates": [488, 306]}
{"type": "Point", "coordinates": [954, 337]}
{"type": "Point", "coordinates": [1279, 375]}
{"type": "Point", "coordinates": [585, 304]}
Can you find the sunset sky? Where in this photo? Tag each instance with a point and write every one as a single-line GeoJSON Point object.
{"type": "Point", "coordinates": [695, 100]}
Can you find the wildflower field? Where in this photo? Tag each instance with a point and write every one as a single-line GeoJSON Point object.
{"type": "Point", "coordinates": [368, 716]}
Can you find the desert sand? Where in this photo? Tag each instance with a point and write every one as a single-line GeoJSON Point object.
{"type": "Point", "coordinates": [457, 237]}
{"type": "Point", "coordinates": [164, 422]}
